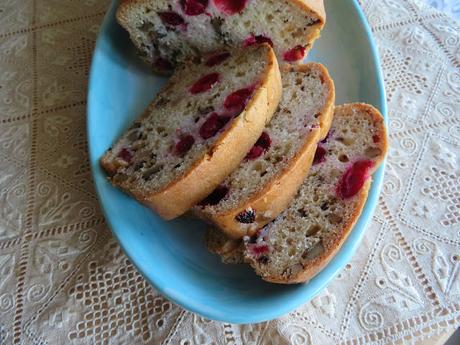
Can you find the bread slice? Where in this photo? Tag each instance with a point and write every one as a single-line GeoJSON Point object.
{"type": "Point", "coordinates": [269, 177]}
{"type": "Point", "coordinates": [196, 131]}
{"type": "Point", "coordinates": [170, 31]}
{"type": "Point", "coordinates": [231, 251]}
{"type": "Point", "coordinates": [305, 237]}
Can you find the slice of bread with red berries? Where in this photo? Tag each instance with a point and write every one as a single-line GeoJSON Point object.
{"type": "Point", "coordinates": [197, 130]}
{"type": "Point", "coordinates": [306, 236]}
{"type": "Point", "coordinates": [169, 31]}
{"type": "Point", "coordinates": [275, 167]}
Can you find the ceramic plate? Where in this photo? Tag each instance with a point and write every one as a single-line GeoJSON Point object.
{"type": "Point", "coordinates": [172, 255]}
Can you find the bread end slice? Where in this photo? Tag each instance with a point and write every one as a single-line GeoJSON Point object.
{"type": "Point", "coordinates": [165, 34]}
{"type": "Point", "coordinates": [230, 251]}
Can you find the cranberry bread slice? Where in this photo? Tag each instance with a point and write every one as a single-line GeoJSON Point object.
{"type": "Point", "coordinates": [273, 170]}
{"type": "Point", "coordinates": [231, 251]}
{"type": "Point", "coordinates": [170, 31]}
{"type": "Point", "coordinates": [305, 237]}
{"type": "Point", "coordinates": [196, 131]}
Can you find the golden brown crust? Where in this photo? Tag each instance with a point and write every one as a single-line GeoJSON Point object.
{"type": "Point", "coordinates": [107, 164]}
{"type": "Point", "coordinates": [275, 196]}
{"type": "Point", "coordinates": [334, 241]}
{"type": "Point", "coordinates": [222, 158]}
{"type": "Point", "coordinates": [314, 8]}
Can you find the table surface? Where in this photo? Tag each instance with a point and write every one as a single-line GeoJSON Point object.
{"type": "Point", "coordinates": [65, 280]}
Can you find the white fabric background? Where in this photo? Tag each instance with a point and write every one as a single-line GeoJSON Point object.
{"type": "Point", "coordinates": [450, 7]}
{"type": "Point", "coordinates": [64, 279]}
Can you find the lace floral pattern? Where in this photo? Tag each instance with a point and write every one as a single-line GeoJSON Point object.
{"type": "Point", "coordinates": [451, 7]}
{"type": "Point", "coordinates": [64, 279]}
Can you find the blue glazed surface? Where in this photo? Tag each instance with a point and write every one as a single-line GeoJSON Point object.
{"type": "Point", "coordinates": [171, 255]}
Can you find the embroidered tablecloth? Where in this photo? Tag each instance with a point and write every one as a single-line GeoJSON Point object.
{"type": "Point", "coordinates": [63, 277]}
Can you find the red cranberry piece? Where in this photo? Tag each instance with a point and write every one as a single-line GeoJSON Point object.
{"type": "Point", "coordinates": [230, 6]}
{"type": "Point", "coordinates": [204, 83]}
{"type": "Point", "coordinates": [171, 18]}
{"type": "Point", "coordinates": [251, 40]}
{"type": "Point", "coordinates": [353, 179]}
{"type": "Point", "coordinates": [194, 7]}
{"type": "Point", "coordinates": [262, 144]}
{"type": "Point", "coordinates": [162, 64]}
{"type": "Point", "coordinates": [217, 59]}
{"type": "Point", "coordinates": [237, 100]}
{"type": "Point", "coordinates": [255, 152]}
{"type": "Point", "coordinates": [375, 138]}
{"type": "Point", "coordinates": [327, 137]}
{"type": "Point", "coordinates": [295, 54]}
{"type": "Point", "coordinates": [184, 144]}
{"type": "Point", "coordinates": [257, 249]}
{"type": "Point", "coordinates": [246, 217]}
{"type": "Point", "coordinates": [126, 154]}
{"type": "Point", "coordinates": [264, 141]}
{"type": "Point", "coordinates": [212, 125]}
{"type": "Point", "coordinates": [320, 155]}
{"type": "Point", "coordinates": [215, 197]}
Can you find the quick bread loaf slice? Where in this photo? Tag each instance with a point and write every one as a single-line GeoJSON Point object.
{"type": "Point", "coordinates": [196, 131]}
{"type": "Point", "coordinates": [170, 31]}
{"type": "Point", "coordinates": [305, 237]}
{"type": "Point", "coordinates": [231, 251]}
{"type": "Point", "coordinates": [269, 177]}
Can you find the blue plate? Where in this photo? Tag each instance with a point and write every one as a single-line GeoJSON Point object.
{"type": "Point", "coordinates": [171, 255]}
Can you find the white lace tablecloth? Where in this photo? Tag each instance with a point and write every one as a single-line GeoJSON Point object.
{"type": "Point", "coordinates": [64, 279]}
{"type": "Point", "coordinates": [451, 7]}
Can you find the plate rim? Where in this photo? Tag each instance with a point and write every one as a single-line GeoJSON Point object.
{"type": "Point", "coordinates": [328, 273]}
